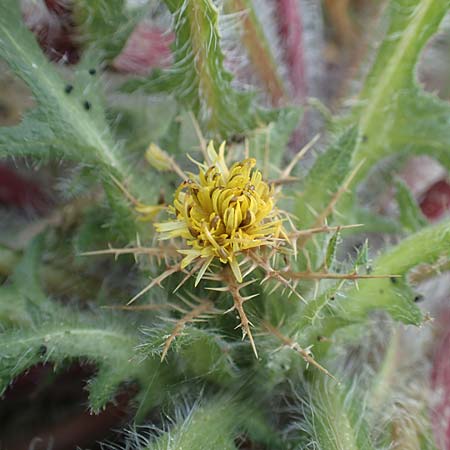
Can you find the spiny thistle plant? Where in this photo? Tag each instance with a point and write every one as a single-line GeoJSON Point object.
{"type": "Point", "coordinates": [236, 312]}
{"type": "Point", "coordinates": [228, 216]}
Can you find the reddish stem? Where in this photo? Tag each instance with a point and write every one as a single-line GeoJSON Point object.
{"type": "Point", "coordinates": [290, 28]}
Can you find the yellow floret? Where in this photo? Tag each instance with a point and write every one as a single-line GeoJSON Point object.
{"type": "Point", "coordinates": [223, 211]}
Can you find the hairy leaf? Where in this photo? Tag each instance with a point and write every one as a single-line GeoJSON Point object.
{"type": "Point", "coordinates": [74, 336]}
{"type": "Point", "coordinates": [22, 300]}
{"type": "Point", "coordinates": [362, 257]}
{"type": "Point", "coordinates": [202, 352]}
{"type": "Point", "coordinates": [395, 115]}
{"type": "Point", "coordinates": [204, 427]}
{"type": "Point", "coordinates": [330, 253]}
{"type": "Point", "coordinates": [410, 217]}
{"type": "Point", "coordinates": [334, 418]}
{"type": "Point", "coordinates": [338, 308]}
{"type": "Point", "coordinates": [38, 330]}
{"type": "Point", "coordinates": [105, 24]}
{"type": "Point", "coordinates": [393, 294]}
{"type": "Point", "coordinates": [69, 119]}
{"type": "Point", "coordinates": [325, 178]}
{"type": "Point", "coordinates": [198, 78]}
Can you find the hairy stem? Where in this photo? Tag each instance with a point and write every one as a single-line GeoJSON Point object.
{"type": "Point", "coordinates": [258, 49]}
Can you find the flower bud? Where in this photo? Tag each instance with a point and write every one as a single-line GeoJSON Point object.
{"type": "Point", "coordinates": [159, 159]}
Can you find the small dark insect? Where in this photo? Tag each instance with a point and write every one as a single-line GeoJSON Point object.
{"type": "Point", "coordinates": [68, 89]}
{"type": "Point", "coordinates": [42, 350]}
{"type": "Point", "coordinates": [369, 270]}
{"type": "Point", "coordinates": [393, 280]}
{"type": "Point", "coordinates": [237, 139]}
{"type": "Point", "coordinates": [4, 110]}
{"type": "Point", "coordinates": [92, 71]}
{"type": "Point", "coordinates": [161, 198]}
{"type": "Point", "coordinates": [332, 297]}
{"type": "Point", "coordinates": [418, 298]}
{"type": "Point", "coordinates": [87, 105]}
{"type": "Point", "coordinates": [365, 138]}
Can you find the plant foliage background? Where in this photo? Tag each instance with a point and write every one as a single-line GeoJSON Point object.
{"type": "Point", "coordinates": [58, 307]}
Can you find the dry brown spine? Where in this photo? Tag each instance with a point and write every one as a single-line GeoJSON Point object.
{"type": "Point", "coordinates": [191, 316]}
{"type": "Point", "coordinates": [304, 353]}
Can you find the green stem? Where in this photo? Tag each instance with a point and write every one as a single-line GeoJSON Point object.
{"type": "Point", "coordinates": [423, 247]}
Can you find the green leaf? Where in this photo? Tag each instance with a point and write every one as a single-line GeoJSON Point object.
{"type": "Point", "coordinates": [333, 417]}
{"type": "Point", "coordinates": [268, 143]}
{"type": "Point", "coordinates": [373, 223]}
{"type": "Point", "coordinates": [61, 125]}
{"type": "Point", "coordinates": [330, 253]}
{"type": "Point", "coordinates": [23, 300]}
{"type": "Point", "coordinates": [312, 312]}
{"type": "Point", "coordinates": [423, 247]}
{"type": "Point", "coordinates": [105, 24]}
{"type": "Point", "coordinates": [335, 309]}
{"type": "Point", "coordinates": [198, 79]}
{"type": "Point", "coordinates": [204, 427]}
{"type": "Point", "coordinates": [14, 308]}
{"type": "Point", "coordinates": [170, 141]}
{"type": "Point", "coordinates": [38, 330]}
{"type": "Point", "coordinates": [203, 353]}
{"type": "Point", "coordinates": [74, 336]}
{"type": "Point", "coordinates": [410, 217]}
{"type": "Point", "coordinates": [140, 122]}
{"type": "Point", "coordinates": [25, 275]}
{"type": "Point", "coordinates": [362, 257]}
{"type": "Point", "coordinates": [66, 123]}
{"type": "Point", "coordinates": [394, 114]}
{"type": "Point", "coordinates": [325, 178]}
{"type": "Point", "coordinates": [393, 294]}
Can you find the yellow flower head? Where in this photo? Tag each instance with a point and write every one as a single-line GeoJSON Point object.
{"type": "Point", "coordinates": [223, 211]}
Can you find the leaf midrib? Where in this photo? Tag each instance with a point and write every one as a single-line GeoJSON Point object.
{"type": "Point", "coordinates": [47, 336]}
{"type": "Point", "coordinates": [84, 127]}
{"type": "Point", "coordinates": [381, 90]}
